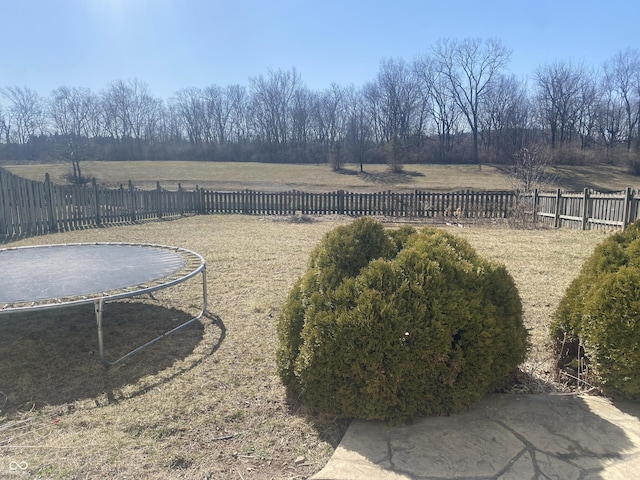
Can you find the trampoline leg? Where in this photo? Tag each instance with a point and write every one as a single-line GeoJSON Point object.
{"type": "Point", "coordinates": [99, 307]}
{"type": "Point", "coordinates": [204, 292]}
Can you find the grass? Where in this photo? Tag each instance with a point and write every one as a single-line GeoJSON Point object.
{"type": "Point", "coordinates": [320, 178]}
{"type": "Point", "coordinates": [206, 402]}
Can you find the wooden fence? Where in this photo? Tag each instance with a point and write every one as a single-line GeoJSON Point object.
{"type": "Point", "coordinates": [586, 210]}
{"type": "Point", "coordinates": [32, 208]}
{"type": "Point", "coordinates": [416, 204]}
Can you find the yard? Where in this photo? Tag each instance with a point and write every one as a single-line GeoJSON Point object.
{"type": "Point", "coordinates": [206, 402]}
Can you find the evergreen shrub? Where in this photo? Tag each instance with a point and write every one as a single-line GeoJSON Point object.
{"type": "Point", "coordinates": [598, 318]}
{"type": "Point", "coordinates": [394, 324]}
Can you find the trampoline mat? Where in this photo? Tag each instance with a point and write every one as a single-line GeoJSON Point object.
{"type": "Point", "coordinates": [33, 274]}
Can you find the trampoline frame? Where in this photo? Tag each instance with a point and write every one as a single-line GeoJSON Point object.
{"type": "Point", "coordinates": [99, 299]}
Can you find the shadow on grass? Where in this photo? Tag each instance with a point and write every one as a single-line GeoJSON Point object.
{"type": "Point", "coordinates": [386, 177]}
{"type": "Point", "coordinates": [51, 358]}
{"type": "Point", "coordinates": [389, 178]}
{"type": "Point", "coordinates": [571, 181]}
{"type": "Point", "coordinates": [330, 429]}
{"type": "Point", "coordinates": [346, 171]}
{"type": "Point", "coordinates": [567, 179]}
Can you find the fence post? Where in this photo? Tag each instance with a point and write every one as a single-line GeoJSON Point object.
{"type": "Point", "coordinates": [341, 202]}
{"type": "Point", "coordinates": [534, 207]}
{"type": "Point", "coordinates": [245, 208]}
{"type": "Point", "coordinates": [585, 209]}
{"type": "Point", "coordinates": [158, 200]}
{"type": "Point", "coordinates": [556, 222]}
{"type": "Point", "coordinates": [132, 201]}
{"type": "Point", "coordinates": [199, 207]}
{"type": "Point", "coordinates": [96, 194]}
{"type": "Point", "coordinates": [180, 199]}
{"type": "Point", "coordinates": [49, 202]}
{"type": "Point", "coordinates": [627, 208]}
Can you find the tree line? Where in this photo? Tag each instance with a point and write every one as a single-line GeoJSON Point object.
{"type": "Point", "coordinates": [456, 103]}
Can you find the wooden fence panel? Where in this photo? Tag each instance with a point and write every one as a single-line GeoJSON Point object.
{"type": "Point", "coordinates": [612, 209]}
{"type": "Point", "coordinates": [587, 210]}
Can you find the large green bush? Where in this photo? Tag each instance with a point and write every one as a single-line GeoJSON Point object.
{"type": "Point", "coordinates": [394, 324]}
{"type": "Point", "coordinates": [601, 311]}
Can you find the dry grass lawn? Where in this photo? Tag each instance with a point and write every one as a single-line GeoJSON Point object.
{"type": "Point", "coordinates": [230, 176]}
{"type": "Point", "coordinates": [206, 402]}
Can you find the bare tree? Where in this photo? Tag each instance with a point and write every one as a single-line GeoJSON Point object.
{"type": "Point", "coordinates": [238, 98]}
{"type": "Point", "coordinates": [218, 107]}
{"type": "Point", "coordinates": [331, 119]}
{"type": "Point", "coordinates": [558, 96]}
{"type": "Point", "coordinates": [26, 112]}
{"type": "Point", "coordinates": [95, 122]}
{"type": "Point", "coordinates": [70, 110]}
{"type": "Point", "coordinates": [470, 66]}
{"type": "Point", "coordinates": [301, 122]}
{"type": "Point", "coordinates": [190, 109]}
{"type": "Point", "coordinates": [399, 99]}
{"type": "Point", "coordinates": [271, 105]}
{"type": "Point", "coordinates": [439, 104]}
{"type": "Point", "coordinates": [505, 116]}
{"type": "Point", "coordinates": [530, 165]}
{"type": "Point", "coordinates": [5, 126]}
{"type": "Point", "coordinates": [608, 120]}
{"type": "Point", "coordinates": [213, 116]}
{"type": "Point", "coordinates": [131, 113]}
{"type": "Point", "coordinates": [622, 82]}
{"type": "Point", "coordinates": [116, 105]}
{"type": "Point", "coordinates": [372, 99]}
{"type": "Point", "coordinates": [358, 128]}
{"type": "Point", "coordinates": [144, 112]}
{"type": "Point", "coordinates": [587, 110]}
{"type": "Point", "coordinates": [172, 127]}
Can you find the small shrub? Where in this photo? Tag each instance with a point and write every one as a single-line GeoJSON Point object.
{"type": "Point", "coordinates": [392, 325]}
{"type": "Point", "coordinates": [600, 312]}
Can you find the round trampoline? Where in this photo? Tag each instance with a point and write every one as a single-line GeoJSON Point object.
{"type": "Point", "coordinates": [54, 276]}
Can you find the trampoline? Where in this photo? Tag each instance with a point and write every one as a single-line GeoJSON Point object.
{"type": "Point", "coordinates": [54, 276]}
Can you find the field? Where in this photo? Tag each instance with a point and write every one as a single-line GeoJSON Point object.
{"type": "Point", "coordinates": [206, 402]}
{"type": "Point", "coordinates": [320, 178]}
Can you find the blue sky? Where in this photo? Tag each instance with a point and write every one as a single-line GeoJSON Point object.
{"type": "Point", "coordinates": [173, 44]}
